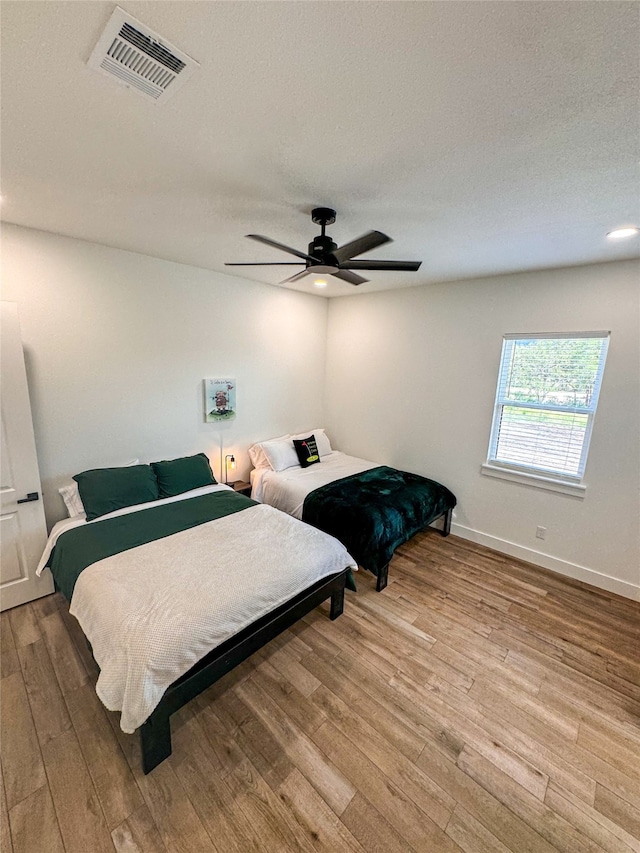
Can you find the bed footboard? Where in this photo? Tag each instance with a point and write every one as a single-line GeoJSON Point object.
{"type": "Point", "coordinates": [155, 733]}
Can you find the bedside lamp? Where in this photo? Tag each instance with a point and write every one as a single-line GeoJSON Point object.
{"type": "Point", "coordinates": [229, 462]}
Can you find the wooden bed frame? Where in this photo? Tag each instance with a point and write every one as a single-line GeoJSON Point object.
{"type": "Point", "coordinates": [383, 574]}
{"type": "Point", "coordinates": [155, 733]}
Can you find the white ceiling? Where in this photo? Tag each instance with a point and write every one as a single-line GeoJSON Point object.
{"type": "Point", "coordinates": [483, 137]}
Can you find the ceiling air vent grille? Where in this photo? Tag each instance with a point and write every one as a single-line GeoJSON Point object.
{"type": "Point", "coordinates": [140, 59]}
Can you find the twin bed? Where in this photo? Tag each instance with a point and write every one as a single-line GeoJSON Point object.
{"type": "Point", "coordinates": [372, 509]}
{"type": "Point", "coordinates": [175, 591]}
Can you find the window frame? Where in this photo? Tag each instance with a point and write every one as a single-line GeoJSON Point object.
{"type": "Point", "coordinates": [554, 480]}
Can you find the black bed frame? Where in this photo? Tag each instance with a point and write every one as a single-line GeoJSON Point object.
{"type": "Point", "coordinates": [155, 733]}
{"type": "Point", "coordinates": [445, 530]}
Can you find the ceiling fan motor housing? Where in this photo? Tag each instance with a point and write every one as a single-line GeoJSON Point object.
{"type": "Point", "coordinates": [322, 248]}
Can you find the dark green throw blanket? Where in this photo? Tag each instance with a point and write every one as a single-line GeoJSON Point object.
{"type": "Point", "coordinates": [81, 546]}
{"type": "Point", "coordinates": [374, 512]}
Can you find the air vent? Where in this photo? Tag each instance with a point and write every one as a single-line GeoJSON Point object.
{"type": "Point", "coordinates": [140, 59]}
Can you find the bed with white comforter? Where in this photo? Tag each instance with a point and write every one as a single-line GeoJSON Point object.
{"type": "Point", "coordinates": [153, 611]}
{"type": "Point", "coordinates": [372, 509]}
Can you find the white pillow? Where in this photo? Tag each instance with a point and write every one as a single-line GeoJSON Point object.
{"type": "Point", "coordinates": [324, 445]}
{"type": "Point", "coordinates": [71, 498]}
{"type": "Point", "coordinates": [280, 457]}
{"type": "Point", "coordinates": [71, 494]}
{"type": "Point", "coordinates": [257, 454]}
{"type": "Point", "coordinates": [281, 454]}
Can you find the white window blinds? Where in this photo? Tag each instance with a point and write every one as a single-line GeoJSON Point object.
{"type": "Point", "coordinates": [547, 394]}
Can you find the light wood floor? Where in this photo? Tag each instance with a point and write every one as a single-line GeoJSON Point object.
{"type": "Point", "coordinates": [477, 704]}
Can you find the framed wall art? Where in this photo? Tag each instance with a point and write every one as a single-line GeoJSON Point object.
{"type": "Point", "coordinates": [219, 399]}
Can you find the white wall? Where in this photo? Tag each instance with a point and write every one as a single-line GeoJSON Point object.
{"type": "Point", "coordinates": [411, 378]}
{"type": "Point", "coordinates": [117, 345]}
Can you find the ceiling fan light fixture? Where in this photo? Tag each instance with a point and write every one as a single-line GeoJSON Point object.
{"type": "Point", "coordinates": [320, 282]}
{"type": "Point", "coordinates": [623, 233]}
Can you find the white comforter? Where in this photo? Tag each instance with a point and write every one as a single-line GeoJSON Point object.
{"type": "Point", "coordinates": [152, 612]}
{"type": "Point", "coordinates": [286, 490]}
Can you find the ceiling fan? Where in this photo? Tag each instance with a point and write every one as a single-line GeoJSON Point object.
{"type": "Point", "coordinates": [324, 257]}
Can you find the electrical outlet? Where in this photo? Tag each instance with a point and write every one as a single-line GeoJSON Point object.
{"type": "Point", "coordinates": [541, 532]}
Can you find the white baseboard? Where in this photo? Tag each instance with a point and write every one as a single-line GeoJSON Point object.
{"type": "Point", "coordinates": [562, 567]}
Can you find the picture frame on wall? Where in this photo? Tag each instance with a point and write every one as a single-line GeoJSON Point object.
{"type": "Point", "coordinates": [219, 399]}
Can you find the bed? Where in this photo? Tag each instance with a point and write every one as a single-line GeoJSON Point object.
{"type": "Point", "coordinates": [372, 509]}
{"type": "Point", "coordinates": [173, 593]}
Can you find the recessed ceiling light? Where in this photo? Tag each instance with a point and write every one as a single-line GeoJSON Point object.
{"type": "Point", "coordinates": [320, 282]}
{"type": "Point", "coordinates": [621, 233]}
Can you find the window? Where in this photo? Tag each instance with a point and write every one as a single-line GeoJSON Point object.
{"type": "Point", "coordinates": [546, 399]}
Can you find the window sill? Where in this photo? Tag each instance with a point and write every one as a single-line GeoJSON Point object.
{"type": "Point", "coordinates": [539, 481]}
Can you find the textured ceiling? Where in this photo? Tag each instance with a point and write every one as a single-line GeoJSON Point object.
{"type": "Point", "coordinates": [483, 137]}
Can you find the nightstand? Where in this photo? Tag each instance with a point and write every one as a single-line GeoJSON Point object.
{"type": "Point", "coordinates": [242, 487]}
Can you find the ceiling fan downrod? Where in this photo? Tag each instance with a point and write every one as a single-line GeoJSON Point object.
{"type": "Point", "coordinates": [322, 246]}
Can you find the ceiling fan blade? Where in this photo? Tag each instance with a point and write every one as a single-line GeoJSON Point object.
{"type": "Point", "coordinates": [297, 276]}
{"type": "Point", "coordinates": [268, 242]}
{"type": "Point", "coordinates": [407, 266]}
{"type": "Point", "coordinates": [267, 264]}
{"type": "Point", "coordinates": [360, 245]}
{"type": "Point", "coordinates": [351, 277]}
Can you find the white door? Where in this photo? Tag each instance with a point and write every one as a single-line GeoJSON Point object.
{"type": "Point", "coordinates": [23, 532]}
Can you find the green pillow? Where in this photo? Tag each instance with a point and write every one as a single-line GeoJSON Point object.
{"type": "Point", "coordinates": [181, 475]}
{"type": "Point", "coordinates": [105, 490]}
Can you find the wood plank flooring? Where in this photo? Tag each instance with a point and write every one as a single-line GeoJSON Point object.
{"type": "Point", "coordinates": [477, 704]}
